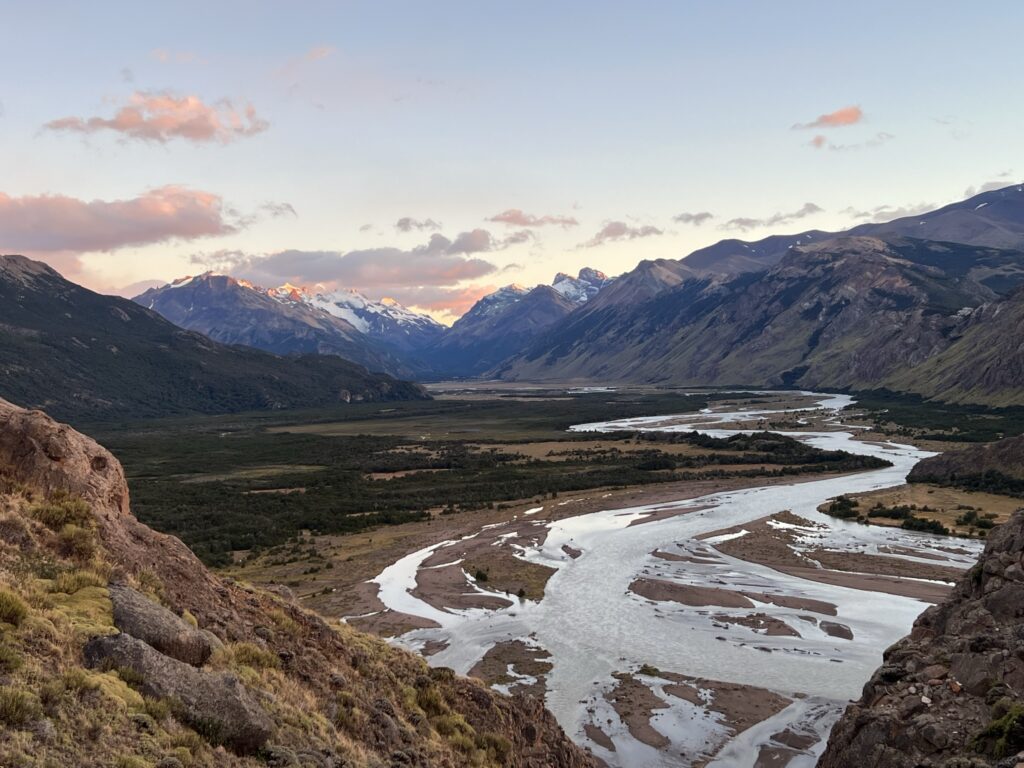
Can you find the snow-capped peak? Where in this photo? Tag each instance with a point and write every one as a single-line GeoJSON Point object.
{"type": "Point", "coordinates": [581, 288]}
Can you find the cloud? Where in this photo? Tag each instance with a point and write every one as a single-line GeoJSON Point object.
{"type": "Point", "coordinates": [745, 224]}
{"type": "Point", "coordinates": [408, 224]}
{"type": "Point", "coordinates": [821, 142]}
{"type": "Point", "coordinates": [166, 56]}
{"type": "Point", "coordinates": [318, 52]}
{"type": "Point", "coordinates": [161, 117]}
{"type": "Point", "coordinates": [447, 302]}
{"type": "Point", "coordinates": [883, 213]}
{"type": "Point", "coordinates": [366, 227]}
{"type": "Point", "coordinates": [696, 219]}
{"type": "Point", "coordinates": [988, 186]}
{"type": "Point", "coordinates": [841, 117]}
{"type": "Point", "coordinates": [514, 217]}
{"type": "Point", "coordinates": [440, 262]}
{"type": "Point", "coordinates": [55, 223]}
{"type": "Point", "coordinates": [614, 231]}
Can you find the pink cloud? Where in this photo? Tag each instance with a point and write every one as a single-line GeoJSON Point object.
{"type": "Point", "coordinates": [517, 218]}
{"type": "Point", "coordinates": [57, 223]}
{"type": "Point", "coordinates": [620, 230]}
{"type": "Point", "coordinates": [162, 116]}
{"type": "Point", "coordinates": [446, 302]}
{"type": "Point", "coordinates": [841, 117]}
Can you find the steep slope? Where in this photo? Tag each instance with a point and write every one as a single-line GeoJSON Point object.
{"type": "Point", "coordinates": [498, 326]}
{"type": "Point", "coordinates": [120, 649]}
{"type": "Point", "coordinates": [84, 356]}
{"type": "Point", "coordinates": [280, 321]}
{"type": "Point", "coordinates": [984, 365]}
{"type": "Point", "coordinates": [949, 694]}
{"type": "Point", "coordinates": [845, 313]}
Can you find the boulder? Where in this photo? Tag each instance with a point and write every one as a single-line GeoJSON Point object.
{"type": "Point", "coordinates": [138, 616]}
{"type": "Point", "coordinates": [215, 704]}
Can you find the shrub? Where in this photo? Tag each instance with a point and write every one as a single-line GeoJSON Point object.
{"type": "Point", "coordinates": [253, 656]}
{"type": "Point", "coordinates": [1003, 736]}
{"type": "Point", "coordinates": [60, 510]}
{"type": "Point", "coordinates": [13, 609]}
{"type": "Point", "coordinates": [70, 582]}
{"type": "Point", "coordinates": [77, 542]}
{"type": "Point", "coordinates": [10, 659]}
{"type": "Point", "coordinates": [18, 708]}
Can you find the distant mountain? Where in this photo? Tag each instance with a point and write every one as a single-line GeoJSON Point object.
{"type": "Point", "coordinates": [286, 321]}
{"type": "Point", "coordinates": [84, 356]}
{"type": "Point", "coordinates": [852, 312]}
{"type": "Point", "coordinates": [994, 219]}
{"type": "Point", "coordinates": [583, 287]}
{"type": "Point", "coordinates": [498, 326]}
{"type": "Point", "coordinates": [385, 320]}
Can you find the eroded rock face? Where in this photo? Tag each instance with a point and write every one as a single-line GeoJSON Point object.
{"type": "Point", "coordinates": [43, 453]}
{"type": "Point", "coordinates": [945, 695]}
{"type": "Point", "coordinates": [217, 705]}
{"type": "Point", "coordinates": [137, 615]}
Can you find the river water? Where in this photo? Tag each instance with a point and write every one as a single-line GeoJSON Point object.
{"type": "Point", "coordinates": [594, 627]}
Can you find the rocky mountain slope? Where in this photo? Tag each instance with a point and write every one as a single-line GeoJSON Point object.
{"type": "Point", "coordinates": [285, 321]}
{"type": "Point", "coordinates": [86, 356]}
{"type": "Point", "coordinates": [853, 312]}
{"type": "Point", "coordinates": [497, 327]}
{"type": "Point", "coordinates": [949, 695]}
{"type": "Point", "coordinates": [985, 362]}
{"type": "Point", "coordinates": [120, 649]}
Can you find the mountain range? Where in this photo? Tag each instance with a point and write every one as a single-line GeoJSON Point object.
{"type": "Point", "coordinates": [878, 306]}
{"type": "Point", "coordinates": [381, 335]}
{"type": "Point", "coordinates": [869, 308]}
{"type": "Point", "coordinates": [84, 356]}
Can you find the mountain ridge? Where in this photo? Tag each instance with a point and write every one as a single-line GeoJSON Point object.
{"type": "Point", "coordinates": [83, 355]}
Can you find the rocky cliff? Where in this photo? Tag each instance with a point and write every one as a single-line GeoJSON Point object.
{"type": "Point", "coordinates": [951, 694]}
{"type": "Point", "coordinates": [119, 648]}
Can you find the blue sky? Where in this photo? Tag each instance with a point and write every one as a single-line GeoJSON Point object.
{"type": "Point", "coordinates": [452, 112]}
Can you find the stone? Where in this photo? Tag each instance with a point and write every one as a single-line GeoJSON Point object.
{"type": "Point", "coordinates": [137, 615]}
{"type": "Point", "coordinates": [216, 704]}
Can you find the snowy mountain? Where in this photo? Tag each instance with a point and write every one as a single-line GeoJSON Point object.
{"type": "Point", "coordinates": [582, 288]}
{"type": "Point", "coordinates": [284, 320]}
{"type": "Point", "coordinates": [385, 319]}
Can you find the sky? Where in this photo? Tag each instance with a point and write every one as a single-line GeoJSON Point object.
{"type": "Point", "coordinates": [432, 151]}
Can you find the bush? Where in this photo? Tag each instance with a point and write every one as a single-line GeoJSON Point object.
{"type": "Point", "coordinates": [60, 510]}
{"type": "Point", "coordinates": [18, 708]}
{"type": "Point", "coordinates": [77, 542]}
{"type": "Point", "coordinates": [70, 582]}
{"type": "Point", "coordinates": [13, 609]}
{"type": "Point", "coordinates": [925, 526]}
{"type": "Point", "coordinates": [252, 655]}
{"type": "Point", "coordinates": [10, 659]}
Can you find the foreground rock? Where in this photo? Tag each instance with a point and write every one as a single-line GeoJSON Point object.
{"type": "Point", "coordinates": [137, 615]}
{"type": "Point", "coordinates": [216, 705]}
{"type": "Point", "coordinates": [949, 695]}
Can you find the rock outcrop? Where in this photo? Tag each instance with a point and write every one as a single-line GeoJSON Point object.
{"type": "Point", "coordinates": [138, 616]}
{"type": "Point", "coordinates": [951, 694]}
{"type": "Point", "coordinates": [216, 705]}
{"type": "Point", "coordinates": [279, 679]}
